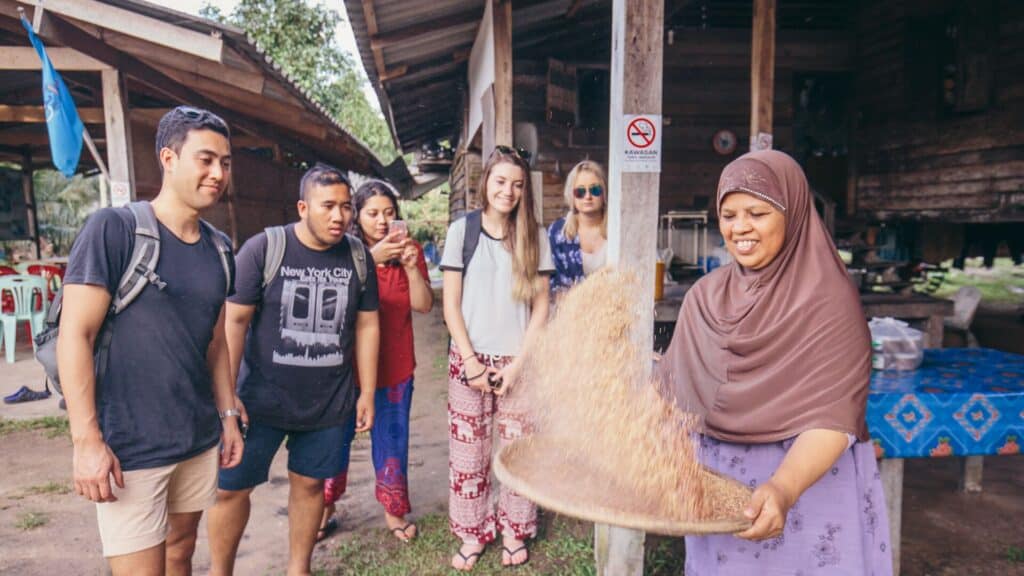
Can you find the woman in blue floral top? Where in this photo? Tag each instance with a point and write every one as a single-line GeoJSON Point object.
{"type": "Point", "coordinates": [579, 240]}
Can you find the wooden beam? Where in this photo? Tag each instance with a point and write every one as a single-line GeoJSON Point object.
{"type": "Point", "coordinates": [370, 15]}
{"type": "Point", "coordinates": [28, 189]}
{"type": "Point", "coordinates": [152, 30]}
{"type": "Point", "coordinates": [37, 114]}
{"type": "Point", "coordinates": [119, 135]}
{"type": "Point", "coordinates": [503, 82]}
{"type": "Point", "coordinates": [394, 73]}
{"type": "Point", "coordinates": [762, 75]}
{"type": "Point", "coordinates": [159, 57]}
{"type": "Point", "coordinates": [416, 32]}
{"type": "Point", "coordinates": [636, 86]}
{"type": "Point", "coordinates": [63, 59]}
{"type": "Point", "coordinates": [58, 30]}
{"type": "Point", "coordinates": [573, 9]}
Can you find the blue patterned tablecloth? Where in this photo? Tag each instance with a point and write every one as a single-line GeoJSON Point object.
{"type": "Point", "coordinates": [960, 402]}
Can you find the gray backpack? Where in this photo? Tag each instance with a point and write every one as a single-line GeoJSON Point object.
{"type": "Point", "coordinates": [140, 272]}
{"type": "Point", "coordinates": [277, 239]}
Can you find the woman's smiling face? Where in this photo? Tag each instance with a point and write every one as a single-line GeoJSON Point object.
{"type": "Point", "coordinates": [754, 230]}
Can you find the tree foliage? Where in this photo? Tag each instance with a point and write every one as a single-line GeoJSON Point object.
{"type": "Point", "coordinates": [300, 37]}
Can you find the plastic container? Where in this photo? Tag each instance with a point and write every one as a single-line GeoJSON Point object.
{"type": "Point", "coordinates": [895, 345]}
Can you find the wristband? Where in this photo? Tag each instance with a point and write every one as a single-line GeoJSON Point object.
{"type": "Point", "coordinates": [474, 377]}
{"type": "Point", "coordinates": [230, 412]}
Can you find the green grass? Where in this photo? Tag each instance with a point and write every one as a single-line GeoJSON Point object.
{"type": "Point", "coordinates": [1015, 554]}
{"type": "Point", "coordinates": [563, 546]}
{"type": "Point", "coordinates": [997, 285]}
{"type": "Point", "coordinates": [50, 488]}
{"type": "Point", "coordinates": [31, 521]}
{"type": "Point", "coordinates": [55, 426]}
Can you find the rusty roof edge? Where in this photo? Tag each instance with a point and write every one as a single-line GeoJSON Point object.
{"type": "Point", "coordinates": [354, 10]}
{"type": "Point", "coordinates": [248, 45]}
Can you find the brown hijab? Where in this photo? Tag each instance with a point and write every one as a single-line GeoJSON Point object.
{"type": "Point", "coordinates": [764, 355]}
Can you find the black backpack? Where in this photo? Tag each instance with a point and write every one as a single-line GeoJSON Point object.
{"type": "Point", "coordinates": [474, 227]}
{"type": "Point", "coordinates": [277, 240]}
{"type": "Point", "coordinates": [140, 272]}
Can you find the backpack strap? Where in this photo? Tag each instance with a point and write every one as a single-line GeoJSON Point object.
{"type": "Point", "coordinates": [224, 251]}
{"type": "Point", "coordinates": [141, 269]}
{"type": "Point", "coordinates": [276, 241]}
{"type": "Point", "coordinates": [355, 246]}
{"type": "Point", "coordinates": [474, 227]}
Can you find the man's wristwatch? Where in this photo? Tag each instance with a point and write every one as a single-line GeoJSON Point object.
{"type": "Point", "coordinates": [230, 412]}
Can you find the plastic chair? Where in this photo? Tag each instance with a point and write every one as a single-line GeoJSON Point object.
{"type": "Point", "coordinates": [7, 300]}
{"type": "Point", "coordinates": [24, 289]}
{"type": "Point", "coordinates": [54, 276]}
{"type": "Point", "coordinates": [965, 305]}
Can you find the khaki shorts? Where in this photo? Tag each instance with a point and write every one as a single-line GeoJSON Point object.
{"type": "Point", "coordinates": [138, 520]}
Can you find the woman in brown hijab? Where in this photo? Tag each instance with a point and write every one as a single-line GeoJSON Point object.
{"type": "Point", "coordinates": [773, 352]}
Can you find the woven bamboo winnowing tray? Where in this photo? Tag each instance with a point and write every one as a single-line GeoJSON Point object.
{"type": "Point", "coordinates": [548, 472]}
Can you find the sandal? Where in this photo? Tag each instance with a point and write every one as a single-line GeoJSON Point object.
{"type": "Point", "coordinates": [512, 554]}
{"type": "Point", "coordinates": [468, 560]}
{"type": "Point", "coordinates": [402, 532]}
{"type": "Point", "coordinates": [327, 529]}
{"type": "Point", "coordinates": [26, 394]}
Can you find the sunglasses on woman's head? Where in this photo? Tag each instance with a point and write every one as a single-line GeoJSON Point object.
{"type": "Point", "coordinates": [595, 191]}
{"type": "Point", "coordinates": [520, 152]}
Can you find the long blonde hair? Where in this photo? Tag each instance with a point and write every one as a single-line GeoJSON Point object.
{"type": "Point", "coordinates": [521, 236]}
{"type": "Point", "coordinates": [571, 228]}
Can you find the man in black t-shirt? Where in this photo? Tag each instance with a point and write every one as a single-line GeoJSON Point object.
{"type": "Point", "coordinates": [151, 420]}
{"type": "Point", "coordinates": [294, 346]}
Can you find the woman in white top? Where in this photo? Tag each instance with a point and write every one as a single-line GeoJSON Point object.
{"type": "Point", "coordinates": [495, 300]}
{"type": "Point", "coordinates": [579, 240]}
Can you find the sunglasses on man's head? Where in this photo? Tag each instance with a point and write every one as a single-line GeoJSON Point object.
{"type": "Point", "coordinates": [200, 114]}
{"type": "Point", "coordinates": [595, 191]}
{"type": "Point", "coordinates": [520, 152]}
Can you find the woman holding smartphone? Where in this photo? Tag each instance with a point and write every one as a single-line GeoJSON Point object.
{"type": "Point", "coordinates": [404, 286]}
{"type": "Point", "coordinates": [495, 300]}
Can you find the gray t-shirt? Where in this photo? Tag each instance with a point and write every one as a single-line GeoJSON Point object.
{"type": "Point", "coordinates": [496, 322]}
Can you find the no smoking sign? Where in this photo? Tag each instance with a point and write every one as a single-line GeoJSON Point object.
{"type": "Point", "coordinates": [642, 150]}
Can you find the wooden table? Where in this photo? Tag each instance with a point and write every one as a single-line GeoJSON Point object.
{"type": "Point", "coordinates": [923, 312]}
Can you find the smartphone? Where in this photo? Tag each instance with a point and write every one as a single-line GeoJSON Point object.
{"type": "Point", "coordinates": [398, 229]}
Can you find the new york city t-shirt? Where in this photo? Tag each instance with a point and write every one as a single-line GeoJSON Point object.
{"type": "Point", "coordinates": [155, 402]}
{"type": "Point", "coordinates": [297, 369]}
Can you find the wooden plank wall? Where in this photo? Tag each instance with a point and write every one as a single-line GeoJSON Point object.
{"type": "Point", "coordinates": [916, 157]}
{"type": "Point", "coordinates": [706, 88]}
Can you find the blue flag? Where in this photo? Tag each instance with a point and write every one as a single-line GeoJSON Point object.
{"type": "Point", "coordinates": [62, 119]}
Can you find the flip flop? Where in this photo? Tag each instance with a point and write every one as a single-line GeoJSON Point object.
{"type": "Point", "coordinates": [512, 554]}
{"type": "Point", "coordinates": [466, 559]}
{"type": "Point", "coordinates": [402, 533]}
{"type": "Point", "coordinates": [26, 394]}
{"type": "Point", "coordinates": [327, 529]}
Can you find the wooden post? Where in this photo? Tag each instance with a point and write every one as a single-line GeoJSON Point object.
{"type": "Point", "coordinates": [762, 75]}
{"type": "Point", "coordinates": [502, 72]}
{"type": "Point", "coordinates": [892, 486]}
{"type": "Point", "coordinates": [29, 190]}
{"type": "Point", "coordinates": [118, 135]}
{"type": "Point", "coordinates": [971, 469]}
{"type": "Point", "coordinates": [636, 82]}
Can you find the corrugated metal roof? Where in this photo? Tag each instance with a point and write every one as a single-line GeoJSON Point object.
{"type": "Point", "coordinates": [426, 68]}
{"type": "Point", "coordinates": [240, 41]}
{"type": "Point", "coordinates": [426, 101]}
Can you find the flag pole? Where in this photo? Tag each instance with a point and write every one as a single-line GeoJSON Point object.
{"type": "Point", "coordinates": [95, 154]}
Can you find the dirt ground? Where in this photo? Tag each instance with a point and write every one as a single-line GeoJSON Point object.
{"type": "Point", "coordinates": [944, 533]}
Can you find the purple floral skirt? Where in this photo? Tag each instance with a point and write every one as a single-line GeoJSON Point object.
{"type": "Point", "coordinates": [839, 526]}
